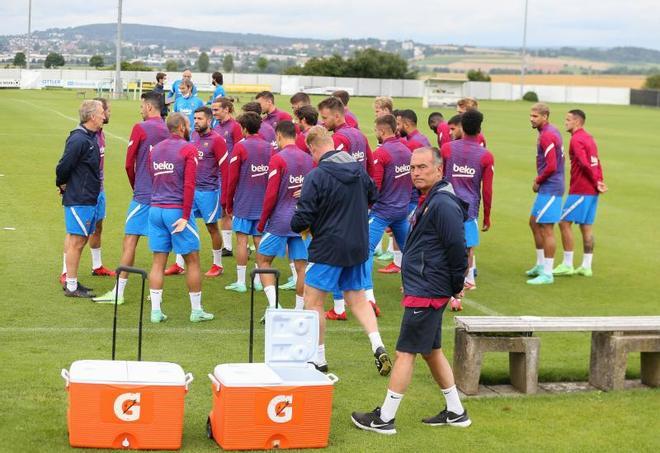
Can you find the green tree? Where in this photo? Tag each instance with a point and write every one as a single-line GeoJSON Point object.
{"type": "Point", "coordinates": [19, 60]}
{"type": "Point", "coordinates": [477, 75]}
{"type": "Point", "coordinates": [54, 60]}
{"type": "Point", "coordinates": [96, 61]}
{"type": "Point", "coordinates": [652, 82]}
{"type": "Point", "coordinates": [368, 63]}
{"type": "Point", "coordinates": [135, 66]}
{"type": "Point", "coordinates": [203, 62]}
{"type": "Point", "coordinates": [171, 65]}
{"type": "Point", "coordinates": [262, 64]}
{"type": "Point", "coordinates": [228, 63]}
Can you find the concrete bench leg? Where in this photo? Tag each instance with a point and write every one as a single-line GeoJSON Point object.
{"type": "Point", "coordinates": [524, 366]}
{"type": "Point", "coordinates": [467, 362]}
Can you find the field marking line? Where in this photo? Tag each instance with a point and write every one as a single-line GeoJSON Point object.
{"type": "Point", "coordinates": [481, 308]}
{"type": "Point", "coordinates": [122, 139]}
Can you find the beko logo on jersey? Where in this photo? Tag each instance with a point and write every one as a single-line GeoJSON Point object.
{"type": "Point", "coordinates": [296, 179]}
{"type": "Point", "coordinates": [162, 168]}
{"type": "Point", "coordinates": [401, 170]}
{"type": "Point", "coordinates": [258, 170]}
{"type": "Point", "coordinates": [463, 171]}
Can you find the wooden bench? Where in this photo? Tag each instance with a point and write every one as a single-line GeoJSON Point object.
{"type": "Point", "coordinates": [612, 339]}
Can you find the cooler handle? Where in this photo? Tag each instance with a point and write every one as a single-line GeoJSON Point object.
{"type": "Point", "coordinates": [215, 382]}
{"type": "Point", "coordinates": [253, 274]}
{"type": "Point", "coordinates": [65, 376]}
{"type": "Point", "coordinates": [333, 378]}
{"type": "Point", "coordinates": [189, 379]}
{"type": "Point", "coordinates": [143, 273]}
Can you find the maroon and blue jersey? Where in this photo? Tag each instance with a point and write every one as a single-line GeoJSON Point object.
{"type": "Point", "coordinates": [267, 132]}
{"type": "Point", "coordinates": [417, 136]}
{"type": "Point", "coordinates": [231, 131]}
{"type": "Point", "coordinates": [144, 136]}
{"type": "Point", "coordinates": [248, 175]}
{"type": "Point", "coordinates": [100, 139]}
{"type": "Point", "coordinates": [172, 166]}
{"type": "Point", "coordinates": [350, 118]}
{"type": "Point", "coordinates": [469, 167]}
{"type": "Point", "coordinates": [275, 117]}
{"type": "Point", "coordinates": [301, 140]}
{"type": "Point", "coordinates": [550, 161]}
{"type": "Point", "coordinates": [444, 134]}
{"type": "Point", "coordinates": [392, 177]}
{"type": "Point", "coordinates": [354, 142]}
{"type": "Point", "coordinates": [586, 171]}
{"type": "Point", "coordinates": [211, 156]}
{"type": "Point", "coordinates": [286, 173]}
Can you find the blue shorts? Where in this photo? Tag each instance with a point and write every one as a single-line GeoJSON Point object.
{"type": "Point", "coordinates": [411, 207]}
{"type": "Point", "coordinates": [245, 226]}
{"type": "Point", "coordinates": [161, 238]}
{"type": "Point", "coordinates": [547, 208]}
{"type": "Point", "coordinates": [273, 245]}
{"type": "Point", "coordinates": [377, 227]}
{"type": "Point", "coordinates": [100, 206]}
{"type": "Point", "coordinates": [206, 205]}
{"type": "Point", "coordinates": [580, 209]}
{"type": "Point", "coordinates": [80, 220]}
{"type": "Point", "coordinates": [137, 219]}
{"type": "Point", "coordinates": [328, 278]}
{"type": "Point", "coordinates": [471, 233]}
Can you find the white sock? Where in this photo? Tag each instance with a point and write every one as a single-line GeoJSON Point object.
{"type": "Point", "coordinates": [240, 274]}
{"type": "Point", "coordinates": [294, 274]}
{"type": "Point", "coordinates": [156, 298]}
{"type": "Point", "coordinates": [217, 257]}
{"type": "Point", "coordinates": [257, 277]}
{"type": "Point", "coordinates": [270, 295]}
{"type": "Point", "coordinates": [453, 401]}
{"type": "Point", "coordinates": [122, 287]}
{"type": "Point", "coordinates": [71, 283]}
{"type": "Point", "coordinates": [568, 258]}
{"type": "Point", "coordinates": [379, 246]}
{"type": "Point", "coordinates": [226, 240]}
{"type": "Point", "coordinates": [64, 264]}
{"type": "Point", "coordinates": [470, 276]}
{"type": "Point", "coordinates": [180, 261]}
{"type": "Point", "coordinates": [320, 355]}
{"type": "Point", "coordinates": [390, 405]}
{"type": "Point", "coordinates": [586, 260]}
{"type": "Point", "coordinates": [196, 300]}
{"type": "Point", "coordinates": [300, 302]}
{"type": "Point", "coordinates": [397, 257]}
{"type": "Point", "coordinates": [540, 256]}
{"type": "Point", "coordinates": [340, 306]}
{"type": "Point", "coordinates": [370, 295]}
{"type": "Point", "coordinates": [96, 258]}
{"type": "Point", "coordinates": [548, 264]}
{"type": "Point", "coordinates": [390, 246]}
{"type": "Point", "coordinates": [376, 342]}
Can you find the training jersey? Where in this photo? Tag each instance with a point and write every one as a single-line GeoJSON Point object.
{"type": "Point", "coordinates": [350, 118]}
{"type": "Point", "coordinates": [212, 162]}
{"type": "Point", "coordinates": [586, 170]}
{"type": "Point", "coordinates": [550, 161]}
{"type": "Point", "coordinates": [100, 139]}
{"type": "Point", "coordinates": [144, 136]}
{"type": "Point", "coordinates": [248, 175]}
{"type": "Point", "coordinates": [187, 106]}
{"type": "Point", "coordinates": [231, 131]}
{"type": "Point", "coordinates": [173, 167]}
{"type": "Point", "coordinates": [275, 117]}
{"type": "Point", "coordinates": [219, 92]}
{"type": "Point", "coordinates": [469, 167]}
{"type": "Point", "coordinates": [176, 91]}
{"type": "Point", "coordinates": [444, 134]}
{"type": "Point", "coordinates": [392, 178]}
{"type": "Point", "coordinates": [301, 136]}
{"type": "Point", "coordinates": [286, 173]}
{"type": "Point", "coordinates": [354, 142]}
{"type": "Point", "coordinates": [417, 136]}
{"type": "Point", "coordinates": [267, 133]}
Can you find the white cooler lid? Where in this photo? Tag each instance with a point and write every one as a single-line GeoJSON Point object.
{"type": "Point", "coordinates": [292, 337]}
{"type": "Point", "coordinates": [122, 371]}
{"type": "Point", "coordinates": [246, 375]}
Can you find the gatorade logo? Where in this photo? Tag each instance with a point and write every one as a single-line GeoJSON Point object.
{"type": "Point", "coordinates": [280, 409]}
{"type": "Point", "coordinates": [258, 170]}
{"type": "Point", "coordinates": [401, 170]}
{"type": "Point", "coordinates": [127, 407]}
{"type": "Point", "coordinates": [358, 155]}
{"type": "Point", "coordinates": [463, 171]}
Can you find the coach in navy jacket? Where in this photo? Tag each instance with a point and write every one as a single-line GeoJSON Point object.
{"type": "Point", "coordinates": [79, 169]}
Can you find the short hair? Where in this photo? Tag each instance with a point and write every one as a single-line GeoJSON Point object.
{"type": "Point", "coordinates": [253, 106]}
{"type": "Point", "coordinates": [384, 103]}
{"type": "Point", "coordinates": [468, 103]}
{"type": "Point", "coordinates": [579, 113]}
{"type": "Point", "coordinates": [343, 95]}
{"type": "Point", "coordinates": [332, 103]}
{"type": "Point", "coordinates": [387, 120]}
{"type": "Point", "coordinates": [160, 76]}
{"type": "Point", "coordinates": [153, 98]}
{"type": "Point", "coordinates": [435, 153]}
{"type": "Point", "coordinates": [103, 101]}
{"type": "Point", "coordinates": [396, 112]}
{"type": "Point", "coordinates": [225, 103]}
{"type": "Point", "coordinates": [455, 120]}
{"type": "Point", "coordinates": [175, 120]}
{"type": "Point", "coordinates": [300, 97]}
{"type": "Point", "coordinates": [286, 129]}
{"type": "Point", "coordinates": [186, 69]}
{"type": "Point", "coordinates": [471, 122]}
{"type": "Point", "coordinates": [307, 113]}
{"type": "Point", "coordinates": [435, 115]}
{"type": "Point", "coordinates": [266, 95]}
{"type": "Point", "coordinates": [318, 135]}
{"type": "Point", "coordinates": [217, 77]}
{"type": "Point", "coordinates": [409, 115]}
{"type": "Point", "coordinates": [541, 108]}
{"type": "Point", "coordinates": [250, 121]}
{"type": "Point", "coordinates": [187, 83]}
{"type": "Point", "coordinates": [205, 110]}
{"type": "Point", "coordinates": [87, 109]}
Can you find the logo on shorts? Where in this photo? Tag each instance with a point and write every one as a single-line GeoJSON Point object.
{"type": "Point", "coordinates": [280, 409]}
{"type": "Point", "coordinates": [463, 171]}
{"type": "Point", "coordinates": [127, 407]}
{"type": "Point", "coordinates": [258, 170]}
{"type": "Point", "coordinates": [162, 168]}
{"type": "Point", "coordinates": [401, 170]}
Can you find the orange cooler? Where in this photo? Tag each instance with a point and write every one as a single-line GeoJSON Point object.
{"type": "Point", "coordinates": [125, 404]}
{"type": "Point", "coordinates": [283, 403]}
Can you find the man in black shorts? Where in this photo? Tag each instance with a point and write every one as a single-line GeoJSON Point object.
{"type": "Point", "coordinates": [433, 270]}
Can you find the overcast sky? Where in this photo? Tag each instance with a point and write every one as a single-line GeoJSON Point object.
{"type": "Point", "coordinates": [601, 23]}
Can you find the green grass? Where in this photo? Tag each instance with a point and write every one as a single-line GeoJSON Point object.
{"type": "Point", "coordinates": [42, 332]}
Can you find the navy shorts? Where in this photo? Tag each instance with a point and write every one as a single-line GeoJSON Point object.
{"type": "Point", "coordinates": [421, 330]}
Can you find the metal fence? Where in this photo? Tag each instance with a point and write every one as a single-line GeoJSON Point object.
{"type": "Point", "coordinates": [645, 97]}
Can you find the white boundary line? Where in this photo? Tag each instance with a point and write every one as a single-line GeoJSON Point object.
{"type": "Point", "coordinates": [481, 308]}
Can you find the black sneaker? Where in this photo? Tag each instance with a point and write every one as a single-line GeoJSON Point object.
{"type": "Point", "coordinates": [80, 286]}
{"type": "Point", "coordinates": [371, 421]}
{"type": "Point", "coordinates": [80, 291]}
{"type": "Point", "coordinates": [447, 418]}
{"type": "Point", "coordinates": [322, 367]}
{"type": "Point", "coordinates": [383, 362]}
{"type": "Point", "coordinates": [226, 252]}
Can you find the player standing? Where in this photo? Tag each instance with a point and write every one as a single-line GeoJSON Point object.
{"type": "Point", "coordinates": [188, 102]}
{"type": "Point", "coordinates": [469, 103]}
{"type": "Point", "coordinates": [307, 117]}
{"type": "Point", "coordinates": [273, 115]}
{"type": "Point", "coordinates": [175, 92]}
{"type": "Point", "coordinates": [298, 100]}
{"type": "Point", "coordinates": [407, 127]}
{"type": "Point", "coordinates": [266, 131]}
{"type": "Point", "coordinates": [438, 124]}
{"type": "Point", "coordinates": [350, 117]}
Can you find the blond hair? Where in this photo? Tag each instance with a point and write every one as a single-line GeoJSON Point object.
{"type": "Point", "coordinates": [384, 103]}
{"type": "Point", "coordinates": [318, 135]}
{"type": "Point", "coordinates": [541, 108]}
{"type": "Point", "coordinates": [88, 109]}
{"type": "Point", "coordinates": [468, 103]}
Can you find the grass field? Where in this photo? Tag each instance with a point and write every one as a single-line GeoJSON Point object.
{"type": "Point", "coordinates": [41, 331]}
